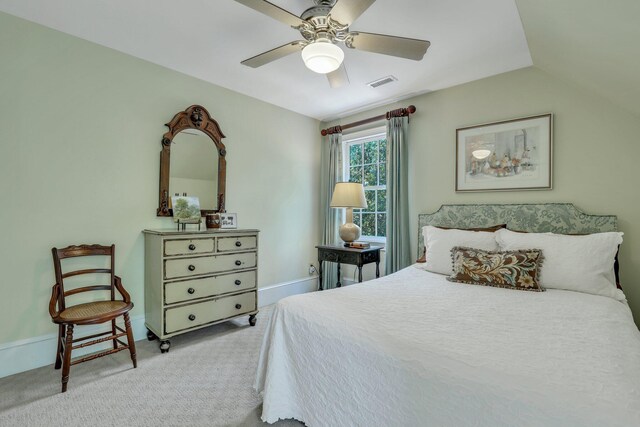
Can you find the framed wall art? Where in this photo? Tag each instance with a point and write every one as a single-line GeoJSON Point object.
{"type": "Point", "coordinates": [509, 155]}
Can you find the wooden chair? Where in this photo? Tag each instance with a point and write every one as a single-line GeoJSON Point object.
{"type": "Point", "coordinates": [88, 313]}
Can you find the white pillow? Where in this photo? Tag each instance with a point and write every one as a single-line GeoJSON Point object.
{"type": "Point", "coordinates": [439, 243]}
{"type": "Point", "coordinates": [575, 263]}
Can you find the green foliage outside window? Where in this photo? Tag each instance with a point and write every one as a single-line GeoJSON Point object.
{"type": "Point", "coordinates": [370, 152]}
{"type": "Point", "coordinates": [355, 174]}
{"type": "Point", "coordinates": [355, 154]}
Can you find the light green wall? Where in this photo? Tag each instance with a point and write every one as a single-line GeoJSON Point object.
{"type": "Point", "coordinates": [591, 42]}
{"type": "Point", "coordinates": [596, 152]}
{"type": "Point", "coordinates": [80, 130]}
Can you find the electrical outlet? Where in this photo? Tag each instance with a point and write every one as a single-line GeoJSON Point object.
{"type": "Point", "coordinates": [312, 269]}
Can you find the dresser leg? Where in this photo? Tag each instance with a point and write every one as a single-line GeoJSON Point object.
{"type": "Point", "coordinates": [320, 276]}
{"type": "Point", "coordinates": [165, 345]}
{"type": "Point", "coordinates": [150, 335]}
{"type": "Point", "coordinates": [252, 320]}
{"type": "Point", "coordinates": [338, 284]}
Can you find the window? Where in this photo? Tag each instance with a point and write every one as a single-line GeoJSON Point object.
{"type": "Point", "coordinates": [366, 162]}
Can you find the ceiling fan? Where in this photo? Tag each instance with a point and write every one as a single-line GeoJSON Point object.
{"type": "Point", "coordinates": [324, 25]}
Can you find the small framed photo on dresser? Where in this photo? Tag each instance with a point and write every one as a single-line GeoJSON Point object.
{"type": "Point", "coordinates": [228, 220]}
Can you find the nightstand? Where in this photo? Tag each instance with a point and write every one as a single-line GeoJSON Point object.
{"type": "Point", "coordinates": [342, 255]}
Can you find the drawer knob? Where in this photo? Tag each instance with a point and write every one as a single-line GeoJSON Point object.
{"type": "Point", "coordinates": [192, 317]}
{"type": "Point", "coordinates": [238, 282]}
{"type": "Point", "coordinates": [238, 262]}
{"type": "Point", "coordinates": [192, 267]}
{"type": "Point", "coordinates": [191, 290]}
{"type": "Point", "coordinates": [238, 243]}
{"type": "Point", "coordinates": [192, 247]}
{"type": "Point", "coordinates": [238, 306]}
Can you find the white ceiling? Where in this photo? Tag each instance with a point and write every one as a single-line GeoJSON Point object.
{"type": "Point", "coordinates": [207, 39]}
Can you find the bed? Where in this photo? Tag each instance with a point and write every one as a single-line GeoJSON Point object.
{"type": "Point", "coordinates": [413, 349]}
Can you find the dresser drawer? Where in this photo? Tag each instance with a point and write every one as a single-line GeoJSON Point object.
{"type": "Point", "coordinates": [189, 316]}
{"type": "Point", "coordinates": [188, 246]}
{"type": "Point", "coordinates": [185, 267]}
{"type": "Point", "coordinates": [227, 244]}
{"type": "Point", "coordinates": [200, 288]}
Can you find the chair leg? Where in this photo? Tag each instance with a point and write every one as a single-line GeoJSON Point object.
{"type": "Point", "coordinates": [130, 341]}
{"type": "Point", "coordinates": [66, 365]}
{"type": "Point", "coordinates": [113, 331]}
{"type": "Point", "coordinates": [61, 333]}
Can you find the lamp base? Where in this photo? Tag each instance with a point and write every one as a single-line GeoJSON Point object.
{"type": "Point", "coordinates": [349, 232]}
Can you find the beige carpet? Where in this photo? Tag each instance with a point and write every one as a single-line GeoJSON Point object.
{"type": "Point", "coordinates": [206, 379]}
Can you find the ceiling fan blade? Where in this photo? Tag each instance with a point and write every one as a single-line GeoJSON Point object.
{"type": "Point", "coordinates": [347, 11]}
{"type": "Point", "coordinates": [389, 45]}
{"type": "Point", "coordinates": [339, 77]}
{"type": "Point", "coordinates": [273, 11]}
{"type": "Point", "coordinates": [273, 54]}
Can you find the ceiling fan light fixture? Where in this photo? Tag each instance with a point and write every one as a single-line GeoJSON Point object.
{"type": "Point", "coordinates": [322, 56]}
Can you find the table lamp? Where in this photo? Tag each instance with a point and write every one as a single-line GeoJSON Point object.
{"type": "Point", "coordinates": [349, 195]}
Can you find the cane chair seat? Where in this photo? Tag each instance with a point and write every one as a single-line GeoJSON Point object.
{"type": "Point", "coordinates": [87, 312]}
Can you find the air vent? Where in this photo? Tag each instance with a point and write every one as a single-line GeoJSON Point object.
{"type": "Point", "coordinates": [383, 81]}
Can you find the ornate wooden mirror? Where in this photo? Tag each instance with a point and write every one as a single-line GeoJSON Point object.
{"type": "Point", "coordinates": [193, 161]}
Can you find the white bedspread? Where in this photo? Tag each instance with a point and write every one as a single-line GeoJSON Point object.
{"type": "Point", "coordinates": [412, 349]}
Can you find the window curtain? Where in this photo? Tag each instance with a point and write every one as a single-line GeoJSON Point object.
{"type": "Point", "coordinates": [398, 254]}
{"type": "Point", "coordinates": [330, 218]}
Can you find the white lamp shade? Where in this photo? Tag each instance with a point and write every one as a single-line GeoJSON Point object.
{"type": "Point", "coordinates": [348, 195]}
{"type": "Point", "coordinates": [322, 56]}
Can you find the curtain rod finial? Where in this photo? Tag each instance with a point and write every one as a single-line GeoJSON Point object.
{"type": "Point", "coordinates": [411, 109]}
{"type": "Point", "coordinates": [331, 130]}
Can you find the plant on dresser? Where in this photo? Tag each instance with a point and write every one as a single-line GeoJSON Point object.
{"type": "Point", "coordinates": [196, 279]}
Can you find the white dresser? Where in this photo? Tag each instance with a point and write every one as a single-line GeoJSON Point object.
{"type": "Point", "coordinates": [194, 279]}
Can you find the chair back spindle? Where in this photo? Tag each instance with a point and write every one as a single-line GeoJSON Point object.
{"type": "Point", "coordinates": [75, 251]}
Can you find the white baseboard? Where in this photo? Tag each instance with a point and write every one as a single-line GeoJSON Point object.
{"type": "Point", "coordinates": [271, 294]}
{"type": "Point", "coordinates": [30, 353]}
{"type": "Point", "coordinates": [346, 281]}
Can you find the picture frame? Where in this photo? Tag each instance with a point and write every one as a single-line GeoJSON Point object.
{"type": "Point", "coordinates": [508, 155]}
{"type": "Point", "coordinates": [228, 220]}
{"type": "Point", "coordinates": [186, 209]}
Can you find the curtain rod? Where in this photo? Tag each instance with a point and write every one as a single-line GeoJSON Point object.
{"type": "Point", "coordinates": [400, 112]}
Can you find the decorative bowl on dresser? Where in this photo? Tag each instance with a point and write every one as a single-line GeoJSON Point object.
{"type": "Point", "coordinates": [195, 279]}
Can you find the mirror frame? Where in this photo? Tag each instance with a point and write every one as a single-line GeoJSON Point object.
{"type": "Point", "coordinates": [194, 117]}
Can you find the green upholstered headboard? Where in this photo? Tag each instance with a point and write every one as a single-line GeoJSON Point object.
{"type": "Point", "coordinates": [563, 218]}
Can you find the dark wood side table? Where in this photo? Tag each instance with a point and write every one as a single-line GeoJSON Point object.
{"type": "Point", "coordinates": [340, 254]}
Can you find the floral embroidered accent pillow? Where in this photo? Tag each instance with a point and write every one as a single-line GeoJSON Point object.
{"type": "Point", "coordinates": [519, 269]}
